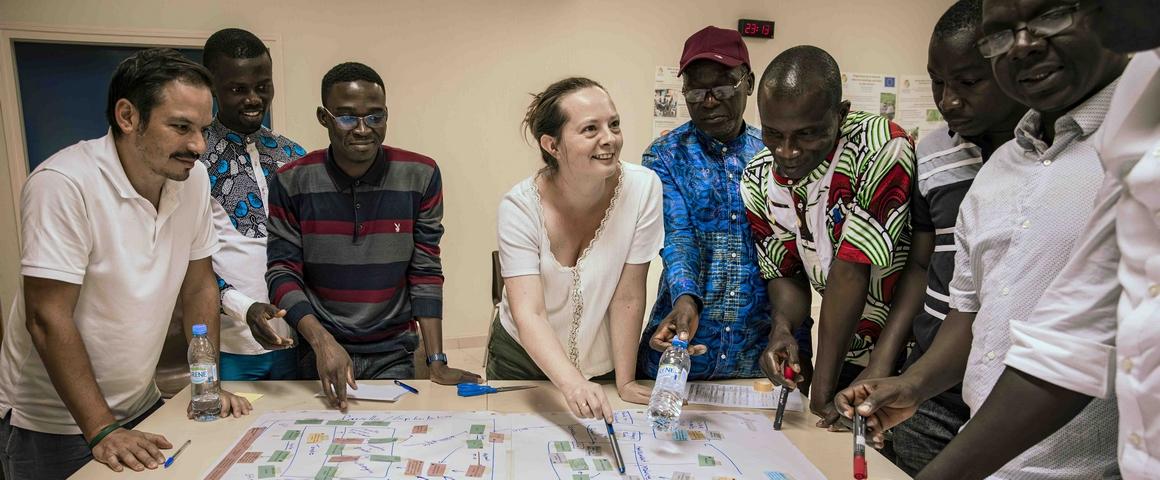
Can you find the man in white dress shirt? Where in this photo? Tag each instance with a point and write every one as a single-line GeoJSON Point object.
{"type": "Point", "coordinates": [1093, 333]}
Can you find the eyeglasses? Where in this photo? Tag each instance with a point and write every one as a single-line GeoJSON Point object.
{"type": "Point", "coordinates": [1050, 23]}
{"type": "Point", "coordinates": [350, 122]}
{"type": "Point", "coordinates": [725, 92]}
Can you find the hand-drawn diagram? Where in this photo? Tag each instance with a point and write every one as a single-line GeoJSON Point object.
{"type": "Point", "coordinates": [326, 445]}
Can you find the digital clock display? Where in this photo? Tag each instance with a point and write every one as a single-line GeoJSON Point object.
{"type": "Point", "coordinates": [755, 28]}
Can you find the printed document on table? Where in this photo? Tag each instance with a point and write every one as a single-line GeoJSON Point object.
{"type": "Point", "coordinates": [741, 396]}
{"type": "Point", "coordinates": [367, 391]}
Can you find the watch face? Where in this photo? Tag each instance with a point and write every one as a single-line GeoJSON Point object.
{"type": "Point", "coordinates": [436, 357]}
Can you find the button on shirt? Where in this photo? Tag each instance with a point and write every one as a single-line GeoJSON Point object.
{"type": "Point", "coordinates": [1096, 328]}
{"type": "Point", "coordinates": [1017, 226]}
{"type": "Point", "coordinates": [239, 166]}
{"type": "Point", "coordinates": [708, 252]}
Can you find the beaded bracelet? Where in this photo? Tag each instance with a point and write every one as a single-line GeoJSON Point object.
{"type": "Point", "coordinates": [103, 433]}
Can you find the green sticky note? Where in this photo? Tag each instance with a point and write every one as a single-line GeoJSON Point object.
{"type": "Point", "coordinates": [583, 476]}
{"type": "Point", "coordinates": [335, 449]}
{"type": "Point", "coordinates": [478, 429]}
{"type": "Point", "coordinates": [475, 444]}
{"type": "Point", "coordinates": [681, 436]}
{"type": "Point", "coordinates": [308, 421]}
{"type": "Point", "coordinates": [385, 458]}
{"type": "Point", "coordinates": [563, 446]}
{"type": "Point", "coordinates": [376, 423]}
{"type": "Point", "coordinates": [326, 473]}
{"type": "Point", "coordinates": [706, 461]}
{"type": "Point", "coordinates": [291, 434]}
{"type": "Point", "coordinates": [347, 423]}
{"type": "Point", "coordinates": [279, 456]}
{"type": "Point", "coordinates": [383, 440]}
{"type": "Point", "coordinates": [578, 464]}
{"type": "Point", "coordinates": [602, 464]}
{"type": "Point", "coordinates": [266, 471]}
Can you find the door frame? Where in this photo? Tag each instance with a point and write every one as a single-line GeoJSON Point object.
{"type": "Point", "coordinates": [11, 111]}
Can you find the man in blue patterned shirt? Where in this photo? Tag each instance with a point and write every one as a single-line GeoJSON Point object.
{"type": "Point", "coordinates": [240, 155]}
{"type": "Point", "coordinates": [710, 290]}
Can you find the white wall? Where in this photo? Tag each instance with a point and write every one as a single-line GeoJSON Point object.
{"type": "Point", "coordinates": [458, 76]}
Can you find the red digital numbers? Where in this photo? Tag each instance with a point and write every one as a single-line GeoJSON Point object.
{"type": "Point", "coordinates": [750, 29]}
{"type": "Point", "coordinates": [755, 28]}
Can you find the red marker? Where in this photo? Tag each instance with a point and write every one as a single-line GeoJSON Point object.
{"type": "Point", "coordinates": [788, 373]}
{"type": "Point", "coordinates": [859, 447]}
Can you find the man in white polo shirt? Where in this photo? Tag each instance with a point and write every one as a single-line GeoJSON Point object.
{"type": "Point", "coordinates": [113, 234]}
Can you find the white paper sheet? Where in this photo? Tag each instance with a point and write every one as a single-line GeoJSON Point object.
{"type": "Point", "coordinates": [366, 391]}
{"type": "Point", "coordinates": [741, 396]}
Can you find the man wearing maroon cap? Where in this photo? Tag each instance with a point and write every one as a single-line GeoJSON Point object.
{"type": "Point", "coordinates": [711, 291]}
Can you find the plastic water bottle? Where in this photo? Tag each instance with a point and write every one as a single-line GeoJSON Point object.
{"type": "Point", "coordinates": [203, 375]}
{"type": "Point", "coordinates": [664, 409]}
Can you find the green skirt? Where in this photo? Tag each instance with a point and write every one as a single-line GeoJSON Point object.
{"type": "Point", "coordinates": [507, 359]}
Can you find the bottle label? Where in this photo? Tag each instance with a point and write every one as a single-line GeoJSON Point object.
{"type": "Point", "coordinates": [672, 377]}
{"type": "Point", "coordinates": [200, 373]}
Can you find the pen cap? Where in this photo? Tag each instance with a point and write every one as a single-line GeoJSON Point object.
{"type": "Point", "coordinates": [860, 468]}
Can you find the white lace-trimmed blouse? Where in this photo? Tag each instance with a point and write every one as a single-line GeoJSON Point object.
{"type": "Point", "coordinates": [577, 298]}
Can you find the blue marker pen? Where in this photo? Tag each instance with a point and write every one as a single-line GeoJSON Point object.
{"type": "Point", "coordinates": [408, 387]}
{"type": "Point", "coordinates": [169, 461]}
{"type": "Point", "coordinates": [615, 448]}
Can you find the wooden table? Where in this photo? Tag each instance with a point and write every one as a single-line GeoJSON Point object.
{"type": "Point", "coordinates": [830, 452]}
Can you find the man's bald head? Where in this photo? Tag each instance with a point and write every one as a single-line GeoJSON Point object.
{"type": "Point", "coordinates": [803, 70]}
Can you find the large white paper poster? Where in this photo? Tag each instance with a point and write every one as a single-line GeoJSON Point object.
{"type": "Point", "coordinates": [669, 110]}
{"type": "Point", "coordinates": [917, 112]}
{"type": "Point", "coordinates": [871, 92]}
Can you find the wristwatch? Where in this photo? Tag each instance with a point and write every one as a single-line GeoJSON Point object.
{"type": "Point", "coordinates": [436, 357]}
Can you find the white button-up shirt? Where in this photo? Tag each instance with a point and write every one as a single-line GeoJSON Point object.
{"type": "Point", "coordinates": [1016, 229]}
{"type": "Point", "coordinates": [1096, 328]}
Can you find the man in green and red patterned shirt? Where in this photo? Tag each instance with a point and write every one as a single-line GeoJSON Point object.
{"type": "Point", "coordinates": [828, 202]}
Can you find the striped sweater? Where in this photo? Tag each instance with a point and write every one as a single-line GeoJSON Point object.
{"type": "Point", "coordinates": [360, 254]}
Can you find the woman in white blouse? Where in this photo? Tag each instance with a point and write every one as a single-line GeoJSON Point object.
{"type": "Point", "coordinates": [575, 242]}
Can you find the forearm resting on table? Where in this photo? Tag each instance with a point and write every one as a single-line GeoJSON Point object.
{"type": "Point", "coordinates": [50, 305]}
{"type": "Point", "coordinates": [993, 436]}
{"type": "Point", "coordinates": [626, 316]}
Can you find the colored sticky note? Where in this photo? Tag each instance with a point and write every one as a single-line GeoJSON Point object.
{"type": "Point", "coordinates": [343, 458]}
{"type": "Point", "coordinates": [475, 444]}
{"type": "Point", "coordinates": [476, 470]}
{"type": "Point", "coordinates": [291, 435]}
{"type": "Point", "coordinates": [326, 473]}
{"type": "Point", "coordinates": [252, 397]}
{"type": "Point", "coordinates": [385, 458]}
{"type": "Point", "coordinates": [376, 423]}
{"type": "Point", "coordinates": [706, 461]}
{"type": "Point", "coordinates": [436, 470]}
{"type": "Point", "coordinates": [419, 429]}
{"type": "Point", "coordinates": [558, 458]}
{"type": "Point", "coordinates": [602, 464]}
{"type": "Point", "coordinates": [308, 421]}
{"type": "Point", "coordinates": [776, 476]}
{"type": "Point", "coordinates": [335, 449]}
{"type": "Point", "coordinates": [250, 457]}
{"type": "Point", "coordinates": [563, 446]}
{"type": "Point", "coordinates": [266, 471]}
{"type": "Point", "coordinates": [383, 440]}
{"type": "Point", "coordinates": [696, 435]}
{"type": "Point", "coordinates": [578, 464]}
{"type": "Point", "coordinates": [349, 441]}
{"type": "Point", "coordinates": [478, 429]}
{"type": "Point", "coordinates": [345, 423]}
{"type": "Point", "coordinates": [495, 437]}
{"type": "Point", "coordinates": [414, 467]}
{"type": "Point", "coordinates": [279, 456]}
{"type": "Point", "coordinates": [680, 435]}
{"type": "Point", "coordinates": [580, 476]}
{"type": "Point", "coordinates": [317, 437]}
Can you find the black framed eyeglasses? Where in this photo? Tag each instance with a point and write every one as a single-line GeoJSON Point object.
{"type": "Point", "coordinates": [1050, 23]}
{"type": "Point", "coordinates": [350, 122]}
{"type": "Point", "coordinates": [724, 92]}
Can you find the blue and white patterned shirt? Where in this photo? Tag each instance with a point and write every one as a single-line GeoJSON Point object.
{"type": "Point", "coordinates": [709, 252]}
{"type": "Point", "coordinates": [239, 211]}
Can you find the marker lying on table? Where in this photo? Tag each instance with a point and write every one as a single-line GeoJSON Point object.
{"type": "Point", "coordinates": [169, 461]}
{"type": "Point", "coordinates": [788, 373]}
{"type": "Point", "coordinates": [408, 387]}
{"type": "Point", "coordinates": [859, 447]}
{"type": "Point", "coordinates": [615, 448]}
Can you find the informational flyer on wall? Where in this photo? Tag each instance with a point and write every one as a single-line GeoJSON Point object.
{"type": "Point", "coordinates": [669, 110]}
{"type": "Point", "coordinates": [871, 92]}
{"type": "Point", "coordinates": [917, 112]}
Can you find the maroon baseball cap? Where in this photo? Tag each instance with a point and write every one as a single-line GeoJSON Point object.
{"type": "Point", "coordinates": [716, 44]}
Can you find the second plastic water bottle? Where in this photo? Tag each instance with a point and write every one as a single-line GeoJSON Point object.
{"type": "Point", "coordinates": [668, 396]}
{"type": "Point", "coordinates": [205, 391]}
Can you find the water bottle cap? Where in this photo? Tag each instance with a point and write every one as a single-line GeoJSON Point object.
{"type": "Point", "coordinates": [199, 329]}
{"type": "Point", "coordinates": [680, 343]}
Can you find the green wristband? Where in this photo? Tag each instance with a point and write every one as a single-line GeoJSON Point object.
{"type": "Point", "coordinates": [102, 434]}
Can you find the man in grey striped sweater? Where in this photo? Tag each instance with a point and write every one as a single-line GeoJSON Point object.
{"type": "Point", "coordinates": [354, 245]}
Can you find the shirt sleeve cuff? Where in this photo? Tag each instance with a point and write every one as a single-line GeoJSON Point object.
{"type": "Point", "coordinates": [294, 314]}
{"type": "Point", "coordinates": [204, 252]}
{"type": "Point", "coordinates": [964, 301]}
{"type": "Point", "coordinates": [1073, 363]}
{"type": "Point", "coordinates": [426, 307]}
{"type": "Point", "coordinates": [53, 274]}
{"type": "Point", "coordinates": [236, 304]}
